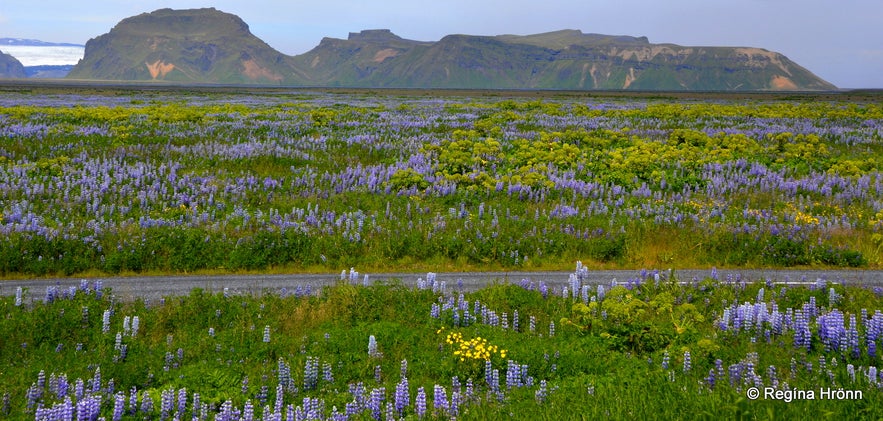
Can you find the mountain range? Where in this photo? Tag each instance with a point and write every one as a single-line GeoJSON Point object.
{"type": "Point", "coordinates": [210, 46]}
{"type": "Point", "coordinates": [34, 43]}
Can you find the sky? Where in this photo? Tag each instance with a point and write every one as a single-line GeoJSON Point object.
{"type": "Point", "coordinates": [840, 41]}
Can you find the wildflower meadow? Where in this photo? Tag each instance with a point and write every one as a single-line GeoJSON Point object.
{"type": "Point", "coordinates": [99, 183]}
{"type": "Point", "coordinates": [652, 346]}
{"type": "Point", "coordinates": [182, 182]}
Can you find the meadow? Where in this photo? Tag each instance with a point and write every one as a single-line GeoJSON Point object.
{"type": "Point", "coordinates": [183, 182]}
{"type": "Point", "coordinates": [117, 182]}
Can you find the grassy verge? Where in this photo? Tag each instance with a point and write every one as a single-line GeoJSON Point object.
{"type": "Point", "coordinates": [649, 348]}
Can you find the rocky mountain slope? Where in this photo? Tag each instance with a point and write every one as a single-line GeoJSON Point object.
{"type": "Point", "coordinates": [209, 46]}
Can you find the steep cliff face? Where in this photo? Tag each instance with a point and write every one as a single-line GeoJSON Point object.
{"type": "Point", "coordinates": [10, 67]}
{"type": "Point", "coordinates": [201, 46]}
{"type": "Point", "coordinates": [209, 46]}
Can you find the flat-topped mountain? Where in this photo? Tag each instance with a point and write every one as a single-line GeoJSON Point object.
{"type": "Point", "coordinates": [197, 46]}
{"type": "Point", "coordinates": [209, 46]}
{"type": "Point", "coordinates": [10, 67]}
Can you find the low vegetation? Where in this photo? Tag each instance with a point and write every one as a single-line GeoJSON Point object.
{"type": "Point", "coordinates": [647, 347]}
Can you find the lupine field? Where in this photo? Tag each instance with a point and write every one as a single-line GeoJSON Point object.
{"type": "Point", "coordinates": [159, 182]}
{"type": "Point", "coordinates": [99, 183]}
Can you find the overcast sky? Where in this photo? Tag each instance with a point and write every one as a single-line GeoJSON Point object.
{"type": "Point", "coordinates": [840, 41]}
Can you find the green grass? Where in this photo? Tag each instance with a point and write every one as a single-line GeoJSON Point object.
{"type": "Point", "coordinates": [605, 358]}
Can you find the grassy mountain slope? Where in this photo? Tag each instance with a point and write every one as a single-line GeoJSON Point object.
{"type": "Point", "coordinates": [10, 67]}
{"type": "Point", "coordinates": [206, 45]}
{"type": "Point", "coordinates": [200, 45]}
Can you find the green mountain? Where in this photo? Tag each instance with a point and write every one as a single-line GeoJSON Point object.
{"type": "Point", "coordinates": [208, 46]}
{"type": "Point", "coordinates": [10, 67]}
{"type": "Point", "coordinates": [193, 46]}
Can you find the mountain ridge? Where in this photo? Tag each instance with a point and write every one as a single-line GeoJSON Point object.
{"type": "Point", "coordinates": [210, 46]}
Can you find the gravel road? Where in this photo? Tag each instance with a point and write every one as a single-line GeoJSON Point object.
{"type": "Point", "coordinates": [155, 287]}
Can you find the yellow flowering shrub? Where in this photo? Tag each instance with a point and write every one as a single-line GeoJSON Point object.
{"type": "Point", "coordinates": [475, 349]}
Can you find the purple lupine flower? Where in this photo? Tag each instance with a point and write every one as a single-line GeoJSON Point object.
{"type": "Point", "coordinates": [96, 380]}
{"type": "Point", "coordinates": [404, 369]}
{"type": "Point", "coordinates": [283, 371]}
{"type": "Point", "coordinates": [327, 376]}
{"type": "Point", "coordinates": [133, 400]}
{"type": "Point", "coordinates": [687, 362]}
{"type": "Point", "coordinates": [67, 409]}
{"type": "Point", "coordinates": [402, 396]}
{"type": "Point", "coordinates": [226, 412]}
{"type": "Point", "coordinates": [378, 373]}
{"type": "Point", "coordinates": [136, 322]}
{"type": "Point", "coordinates": [248, 411]}
{"type": "Point", "coordinates": [440, 400]}
{"type": "Point", "coordinates": [33, 394]}
{"type": "Point", "coordinates": [852, 335]}
{"type": "Point", "coordinates": [182, 401]}
{"type": "Point", "coordinates": [735, 374]}
{"type": "Point", "coordinates": [494, 385]}
{"type": "Point", "coordinates": [513, 375]}
{"type": "Point", "coordinates": [105, 322]}
{"type": "Point", "coordinates": [359, 399]}
{"type": "Point", "coordinates": [665, 360]}
{"type": "Point", "coordinates": [372, 347]}
{"type": "Point", "coordinates": [802, 335]}
{"type": "Point", "coordinates": [375, 402]}
{"type": "Point", "coordinates": [119, 405]}
{"type": "Point", "coordinates": [267, 334]}
{"type": "Point", "coordinates": [167, 401]}
{"type": "Point", "coordinates": [420, 402]}
{"type": "Point", "coordinates": [771, 374]}
{"type": "Point", "coordinates": [279, 402]}
{"type": "Point", "coordinates": [197, 405]}
{"type": "Point", "coordinates": [146, 403]}
{"type": "Point", "coordinates": [711, 378]}
{"type": "Point", "coordinates": [79, 389]}
{"type": "Point", "coordinates": [542, 393]}
{"type": "Point", "coordinates": [311, 373]}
